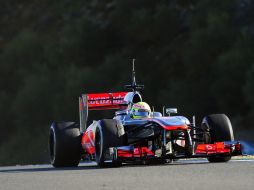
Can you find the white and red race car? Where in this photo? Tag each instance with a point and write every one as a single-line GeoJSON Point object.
{"type": "Point", "coordinates": [123, 139]}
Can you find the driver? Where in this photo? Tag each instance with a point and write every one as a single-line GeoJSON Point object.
{"type": "Point", "coordinates": [140, 110]}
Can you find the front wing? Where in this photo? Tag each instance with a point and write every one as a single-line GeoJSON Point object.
{"type": "Point", "coordinates": [133, 153]}
{"type": "Point", "coordinates": [219, 148]}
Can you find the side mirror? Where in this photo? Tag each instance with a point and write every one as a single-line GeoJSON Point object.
{"type": "Point", "coordinates": [171, 110]}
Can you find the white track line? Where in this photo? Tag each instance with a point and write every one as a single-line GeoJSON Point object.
{"type": "Point", "coordinates": [242, 160]}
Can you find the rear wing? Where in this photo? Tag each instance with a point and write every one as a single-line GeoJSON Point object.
{"type": "Point", "coordinates": [100, 101]}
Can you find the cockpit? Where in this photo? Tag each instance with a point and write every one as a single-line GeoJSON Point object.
{"type": "Point", "coordinates": [130, 99]}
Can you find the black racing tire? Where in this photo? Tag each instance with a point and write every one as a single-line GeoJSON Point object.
{"type": "Point", "coordinates": [65, 144]}
{"type": "Point", "coordinates": [220, 129]}
{"type": "Point", "coordinates": [106, 136]}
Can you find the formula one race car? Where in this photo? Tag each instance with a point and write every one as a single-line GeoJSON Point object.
{"type": "Point", "coordinates": [137, 134]}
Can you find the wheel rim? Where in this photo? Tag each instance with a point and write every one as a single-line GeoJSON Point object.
{"type": "Point", "coordinates": [52, 145]}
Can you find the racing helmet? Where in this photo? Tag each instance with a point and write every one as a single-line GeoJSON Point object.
{"type": "Point", "coordinates": [140, 110]}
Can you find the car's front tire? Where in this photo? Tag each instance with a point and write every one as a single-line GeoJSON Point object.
{"type": "Point", "coordinates": [107, 135]}
{"type": "Point", "coordinates": [220, 129]}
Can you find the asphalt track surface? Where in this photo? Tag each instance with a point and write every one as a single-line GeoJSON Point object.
{"type": "Point", "coordinates": [183, 174]}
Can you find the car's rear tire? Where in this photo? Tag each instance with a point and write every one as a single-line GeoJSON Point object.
{"type": "Point", "coordinates": [220, 129]}
{"type": "Point", "coordinates": [107, 135]}
{"type": "Point", "coordinates": [65, 144]}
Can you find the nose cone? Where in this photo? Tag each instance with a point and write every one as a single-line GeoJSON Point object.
{"type": "Point", "coordinates": [176, 120]}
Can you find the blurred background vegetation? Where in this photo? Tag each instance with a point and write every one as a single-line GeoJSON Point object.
{"type": "Point", "coordinates": [196, 55]}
